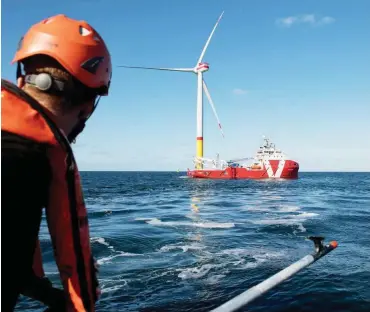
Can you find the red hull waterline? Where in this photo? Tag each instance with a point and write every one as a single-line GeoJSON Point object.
{"type": "Point", "coordinates": [278, 169]}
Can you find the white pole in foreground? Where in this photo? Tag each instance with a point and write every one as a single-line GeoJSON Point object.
{"type": "Point", "coordinates": [256, 291]}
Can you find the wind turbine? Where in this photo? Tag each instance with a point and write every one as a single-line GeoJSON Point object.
{"type": "Point", "coordinates": [198, 69]}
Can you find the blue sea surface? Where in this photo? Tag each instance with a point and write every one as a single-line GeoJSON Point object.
{"type": "Point", "coordinates": [168, 243]}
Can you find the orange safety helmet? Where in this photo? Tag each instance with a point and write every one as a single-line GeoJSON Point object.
{"type": "Point", "coordinates": [75, 45]}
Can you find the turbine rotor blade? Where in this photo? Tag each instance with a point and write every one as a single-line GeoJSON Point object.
{"type": "Point", "coordinates": [209, 39]}
{"type": "Point", "coordinates": [213, 106]}
{"type": "Point", "coordinates": [160, 68]}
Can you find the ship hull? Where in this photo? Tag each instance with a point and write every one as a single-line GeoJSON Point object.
{"type": "Point", "coordinates": [272, 169]}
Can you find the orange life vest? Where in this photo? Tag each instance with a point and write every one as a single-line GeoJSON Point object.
{"type": "Point", "coordinates": [66, 212]}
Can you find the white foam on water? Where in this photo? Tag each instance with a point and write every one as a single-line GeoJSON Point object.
{"type": "Point", "coordinates": [110, 285]}
{"type": "Point", "coordinates": [99, 240]}
{"type": "Point", "coordinates": [296, 219]}
{"type": "Point", "coordinates": [196, 272]}
{"type": "Point", "coordinates": [272, 209]}
{"type": "Point", "coordinates": [161, 274]}
{"type": "Point", "coordinates": [102, 241]}
{"type": "Point", "coordinates": [276, 222]}
{"type": "Point", "coordinates": [274, 197]}
{"type": "Point", "coordinates": [301, 228]}
{"type": "Point", "coordinates": [238, 252]}
{"type": "Point", "coordinates": [117, 253]}
{"type": "Point", "coordinates": [207, 225]}
{"type": "Point", "coordinates": [215, 279]}
{"type": "Point", "coordinates": [267, 255]}
{"type": "Point", "coordinates": [257, 208]}
{"type": "Point", "coordinates": [112, 288]}
{"type": "Point", "coordinates": [288, 220]}
{"type": "Point", "coordinates": [184, 248]}
{"type": "Point", "coordinates": [240, 260]}
{"type": "Point", "coordinates": [257, 254]}
{"type": "Point", "coordinates": [307, 215]}
{"type": "Point", "coordinates": [219, 264]}
{"type": "Point", "coordinates": [288, 208]}
{"type": "Point", "coordinates": [143, 219]}
{"type": "Point", "coordinates": [108, 259]}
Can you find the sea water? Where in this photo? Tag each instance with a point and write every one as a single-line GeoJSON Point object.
{"type": "Point", "coordinates": [168, 243]}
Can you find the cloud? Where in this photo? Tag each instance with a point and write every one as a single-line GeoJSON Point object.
{"type": "Point", "coordinates": [237, 91]}
{"type": "Point", "coordinates": [305, 19]}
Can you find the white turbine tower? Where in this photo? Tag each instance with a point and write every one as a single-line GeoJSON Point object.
{"type": "Point", "coordinates": [198, 69]}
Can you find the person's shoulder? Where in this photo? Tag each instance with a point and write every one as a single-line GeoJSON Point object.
{"type": "Point", "coordinates": [25, 170]}
{"type": "Point", "coordinates": [20, 153]}
{"type": "Point", "coordinates": [24, 162]}
{"type": "Point", "coordinates": [14, 143]}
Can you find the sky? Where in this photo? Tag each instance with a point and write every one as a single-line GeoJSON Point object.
{"type": "Point", "coordinates": [295, 71]}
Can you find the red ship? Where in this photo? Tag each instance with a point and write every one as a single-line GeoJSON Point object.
{"type": "Point", "coordinates": [268, 163]}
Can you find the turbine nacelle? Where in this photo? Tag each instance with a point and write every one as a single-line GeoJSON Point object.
{"type": "Point", "coordinates": [201, 68]}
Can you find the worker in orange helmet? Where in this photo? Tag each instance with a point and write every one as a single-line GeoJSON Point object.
{"type": "Point", "coordinates": [66, 68]}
